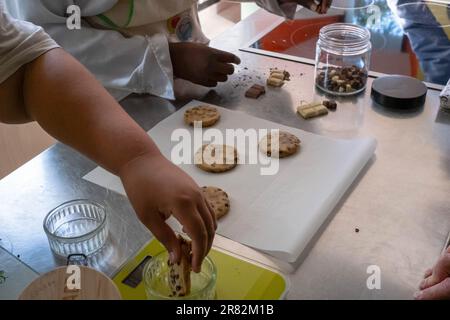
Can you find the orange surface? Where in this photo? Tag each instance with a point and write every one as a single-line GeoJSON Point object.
{"type": "Point", "coordinates": [305, 29]}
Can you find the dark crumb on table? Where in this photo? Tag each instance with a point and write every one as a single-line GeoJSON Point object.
{"type": "Point", "coordinates": [330, 105]}
{"type": "Point", "coordinates": [356, 230]}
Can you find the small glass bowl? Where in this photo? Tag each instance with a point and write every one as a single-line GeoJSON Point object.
{"type": "Point", "coordinates": [76, 227]}
{"type": "Point", "coordinates": [156, 280]}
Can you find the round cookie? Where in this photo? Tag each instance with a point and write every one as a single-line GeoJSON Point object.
{"type": "Point", "coordinates": [206, 114]}
{"type": "Point", "coordinates": [288, 144]}
{"type": "Point", "coordinates": [218, 200]}
{"type": "Point", "coordinates": [216, 158]}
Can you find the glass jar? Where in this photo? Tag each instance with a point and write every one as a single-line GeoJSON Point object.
{"type": "Point", "coordinates": [156, 280]}
{"type": "Point", "coordinates": [342, 59]}
{"type": "Point", "coordinates": [78, 227]}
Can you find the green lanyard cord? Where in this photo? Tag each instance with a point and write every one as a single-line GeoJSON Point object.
{"type": "Point", "coordinates": [111, 24]}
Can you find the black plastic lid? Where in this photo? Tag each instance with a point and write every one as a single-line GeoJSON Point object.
{"type": "Point", "coordinates": [401, 92]}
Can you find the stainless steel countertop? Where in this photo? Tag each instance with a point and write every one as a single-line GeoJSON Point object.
{"type": "Point", "coordinates": [400, 203]}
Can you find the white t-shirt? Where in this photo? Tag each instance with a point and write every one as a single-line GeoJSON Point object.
{"type": "Point", "coordinates": [20, 43]}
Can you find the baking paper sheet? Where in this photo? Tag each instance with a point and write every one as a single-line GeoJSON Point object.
{"type": "Point", "coordinates": [278, 214]}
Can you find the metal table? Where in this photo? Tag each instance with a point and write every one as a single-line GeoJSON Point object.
{"type": "Point", "coordinates": [400, 203]}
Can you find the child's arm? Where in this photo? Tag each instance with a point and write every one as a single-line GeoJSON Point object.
{"type": "Point", "coordinates": [57, 92]}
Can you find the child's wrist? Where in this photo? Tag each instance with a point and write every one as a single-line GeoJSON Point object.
{"type": "Point", "coordinates": [152, 157]}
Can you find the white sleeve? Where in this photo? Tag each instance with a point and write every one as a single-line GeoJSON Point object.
{"type": "Point", "coordinates": [123, 65]}
{"type": "Point", "coordinates": [20, 43]}
{"type": "Point", "coordinates": [286, 10]}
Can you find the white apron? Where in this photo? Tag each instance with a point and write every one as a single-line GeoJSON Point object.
{"type": "Point", "coordinates": [176, 19]}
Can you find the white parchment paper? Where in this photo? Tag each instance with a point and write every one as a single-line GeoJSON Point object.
{"type": "Point", "coordinates": [280, 213]}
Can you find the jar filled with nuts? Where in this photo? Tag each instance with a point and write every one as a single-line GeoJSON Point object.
{"type": "Point", "coordinates": [342, 58]}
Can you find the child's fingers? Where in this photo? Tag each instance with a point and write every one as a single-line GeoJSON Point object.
{"type": "Point", "coordinates": [427, 273]}
{"type": "Point", "coordinates": [440, 272]}
{"type": "Point", "coordinates": [310, 4]}
{"type": "Point", "coordinates": [209, 83]}
{"type": "Point", "coordinates": [440, 291]}
{"type": "Point", "coordinates": [166, 236]}
{"type": "Point", "coordinates": [218, 77]}
{"type": "Point", "coordinates": [208, 219]}
{"type": "Point", "coordinates": [193, 223]}
{"type": "Point", "coordinates": [326, 4]}
{"type": "Point", "coordinates": [212, 212]}
{"type": "Point", "coordinates": [431, 280]}
{"type": "Point", "coordinates": [223, 68]}
{"type": "Point", "coordinates": [227, 57]}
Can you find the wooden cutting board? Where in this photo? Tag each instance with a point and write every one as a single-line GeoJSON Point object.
{"type": "Point", "coordinates": [57, 285]}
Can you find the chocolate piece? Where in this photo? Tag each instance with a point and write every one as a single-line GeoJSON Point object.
{"type": "Point", "coordinates": [312, 111]}
{"type": "Point", "coordinates": [260, 88]}
{"type": "Point", "coordinates": [341, 79]}
{"type": "Point", "coordinates": [252, 93]}
{"type": "Point", "coordinates": [274, 82]}
{"type": "Point", "coordinates": [255, 91]}
{"type": "Point", "coordinates": [330, 104]}
{"type": "Point", "coordinates": [277, 77]}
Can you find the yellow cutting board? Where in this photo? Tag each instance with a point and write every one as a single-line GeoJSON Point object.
{"type": "Point", "coordinates": [236, 279]}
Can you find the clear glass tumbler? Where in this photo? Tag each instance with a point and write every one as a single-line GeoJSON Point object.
{"type": "Point", "coordinates": [156, 280]}
{"type": "Point", "coordinates": [343, 59]}
{"type": "Point", "coordinates": [76, 227]}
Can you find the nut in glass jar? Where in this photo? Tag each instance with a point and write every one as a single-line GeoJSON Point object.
{"type": "Point", "coordinates": [342, 59]}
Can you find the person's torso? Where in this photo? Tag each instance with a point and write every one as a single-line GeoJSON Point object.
{"type": "Point", "coordinates": [177, 19]}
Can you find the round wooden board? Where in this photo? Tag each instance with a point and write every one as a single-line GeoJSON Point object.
{"type": "Point", "coordinates": [94, 285]}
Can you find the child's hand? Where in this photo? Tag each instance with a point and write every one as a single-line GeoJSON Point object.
{"type": "Point", "coordinates": [436, 283]}
{"type": "Point", "coordinates": [201, 64]}
{"type": "Point", "coordinates": [310, 4]}
{"type": "Point", "coordinates": [158, 189]}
